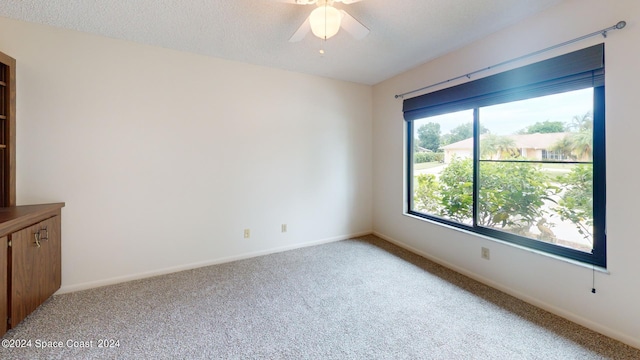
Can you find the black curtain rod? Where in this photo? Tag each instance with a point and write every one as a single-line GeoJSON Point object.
{"type": "Point", "coordinates": [603, 32]}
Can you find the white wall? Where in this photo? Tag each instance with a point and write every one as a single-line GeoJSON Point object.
{"type": "Point", "coordinates": [163, 157]}
{"type": "Point", "coordinates": [556, 285]}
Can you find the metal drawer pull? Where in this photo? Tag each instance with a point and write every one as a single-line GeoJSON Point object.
{"type": "Point", "coordinates": [46, 234]}
{"type": "Point", "coordinates": [39, 237]}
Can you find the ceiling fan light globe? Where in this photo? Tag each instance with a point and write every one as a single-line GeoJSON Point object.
{"type": "Point", "coordinates": [325, 21]}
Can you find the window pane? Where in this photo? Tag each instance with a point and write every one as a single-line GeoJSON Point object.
{"type": "Point", "coordinates": [443, 166]}
{"type": "Point", "coordinates": [557, 127]}
{"type": "Point", "coordinates": [522, 187]}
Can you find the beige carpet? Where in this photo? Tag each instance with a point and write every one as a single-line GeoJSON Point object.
{"type": "Point", "coordinates": [355, 299]}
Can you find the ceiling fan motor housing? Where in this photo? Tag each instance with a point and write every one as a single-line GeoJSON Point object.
{"type": "Point", "coordinates": [325, 20]}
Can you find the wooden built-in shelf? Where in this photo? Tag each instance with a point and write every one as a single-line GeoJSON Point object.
{"type": "Point", "coordinates": [7, 130]}
{"type": "Point", "coordinates": [14, 218]}
{"type": "Point", "coordinates": [29, 259]}
{"type": "Point", "coordinates": [29, 235]}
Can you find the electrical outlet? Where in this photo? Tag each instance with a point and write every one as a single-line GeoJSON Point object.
{"type": "Point", "coordinates": [283, 228]}
{"type": "Point", "coordinates": [247, 233]}
{"type": "Point", "coordinates": [485, 253]}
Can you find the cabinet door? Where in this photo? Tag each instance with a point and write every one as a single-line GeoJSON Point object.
{"type": "Point", "coordinates": [4, 302]}
{"type": "Point", "coordinates": [35, 267]}
{"type": "Point", "coordinates": [50, 259]}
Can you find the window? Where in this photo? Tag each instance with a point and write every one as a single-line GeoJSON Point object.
{"type": "Point", "coordinates": [554, 155]}
{"type": "Point", "coordinates": [518, 156]}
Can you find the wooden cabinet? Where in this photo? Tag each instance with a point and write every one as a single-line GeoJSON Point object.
{"type": "Point", "coordinates": [35, 266]}
{"type": "Point", "coordinates": [4, 285]}
{"type": "Point", "coordinates": [30, 261]}
{"type": "Point", "coordinates": [29, 235]}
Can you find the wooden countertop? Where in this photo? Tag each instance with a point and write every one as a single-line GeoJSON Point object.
{"type": "Point", "coordinates": [18, 217]}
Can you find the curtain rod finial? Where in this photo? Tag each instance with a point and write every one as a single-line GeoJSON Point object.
{"type": "Point", "coordinates": [621, 25]}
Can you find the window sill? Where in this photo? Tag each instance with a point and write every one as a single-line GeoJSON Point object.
{"type": "Point", "coordinates": [534, 251]}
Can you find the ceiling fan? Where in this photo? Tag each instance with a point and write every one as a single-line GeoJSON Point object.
{"type": "Point", "coordinates": [325, 20]}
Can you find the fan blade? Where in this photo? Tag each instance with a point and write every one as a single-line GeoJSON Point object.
{"type": "Point", "coordinates": [353, 26]}
{"type": "Point", "coordinates": [302, 31]}
{"type": "Point", "coordinates": [299, 2]}
{"type": "Point", "coordinates": [347, 2]}
{"type": "Point", "coordinates": [305, 2]}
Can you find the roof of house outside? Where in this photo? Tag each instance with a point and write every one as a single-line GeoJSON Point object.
{"type": "Point", "coordinates": [525, 141]}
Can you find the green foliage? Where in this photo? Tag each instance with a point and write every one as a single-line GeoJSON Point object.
{"type": "Point", "coordinates": [565, 147]}
{"type": "Point", "coordinates": [426, 195]}
{"type": "Point", "coordinates": [576, 146]}
{"type": "Point", "coordinates": [581, 123]}
{"type": "Point", "coordinates": [544, 127]}
{"type": "Point", "coordinates": [429, 136]}
{"type": "Point", "coordinates": [576, 203]}
{"type": "Point", "coordinates": [423, 157]}
{"type": "Point", "coordinates": [582, 143]}
{"type": "Point", "coordinates": [579, 144]}
{"type": "Point", "coordinates": [511, 194]}
{"type": "Point", "coordinates": [460, 132]}
{"type": "Point", "coordinates": [498, 147]}
{"type": "Point", "coordinates": [457, 190]}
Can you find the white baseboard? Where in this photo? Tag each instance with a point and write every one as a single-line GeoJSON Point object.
{"type": "Point", "coordinates": [169, 270]}
{"type": "Point", "coordinates": [629, 340]}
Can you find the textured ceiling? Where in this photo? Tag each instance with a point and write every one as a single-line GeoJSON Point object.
{"type": "Point", "coordinates": [403, 34]}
